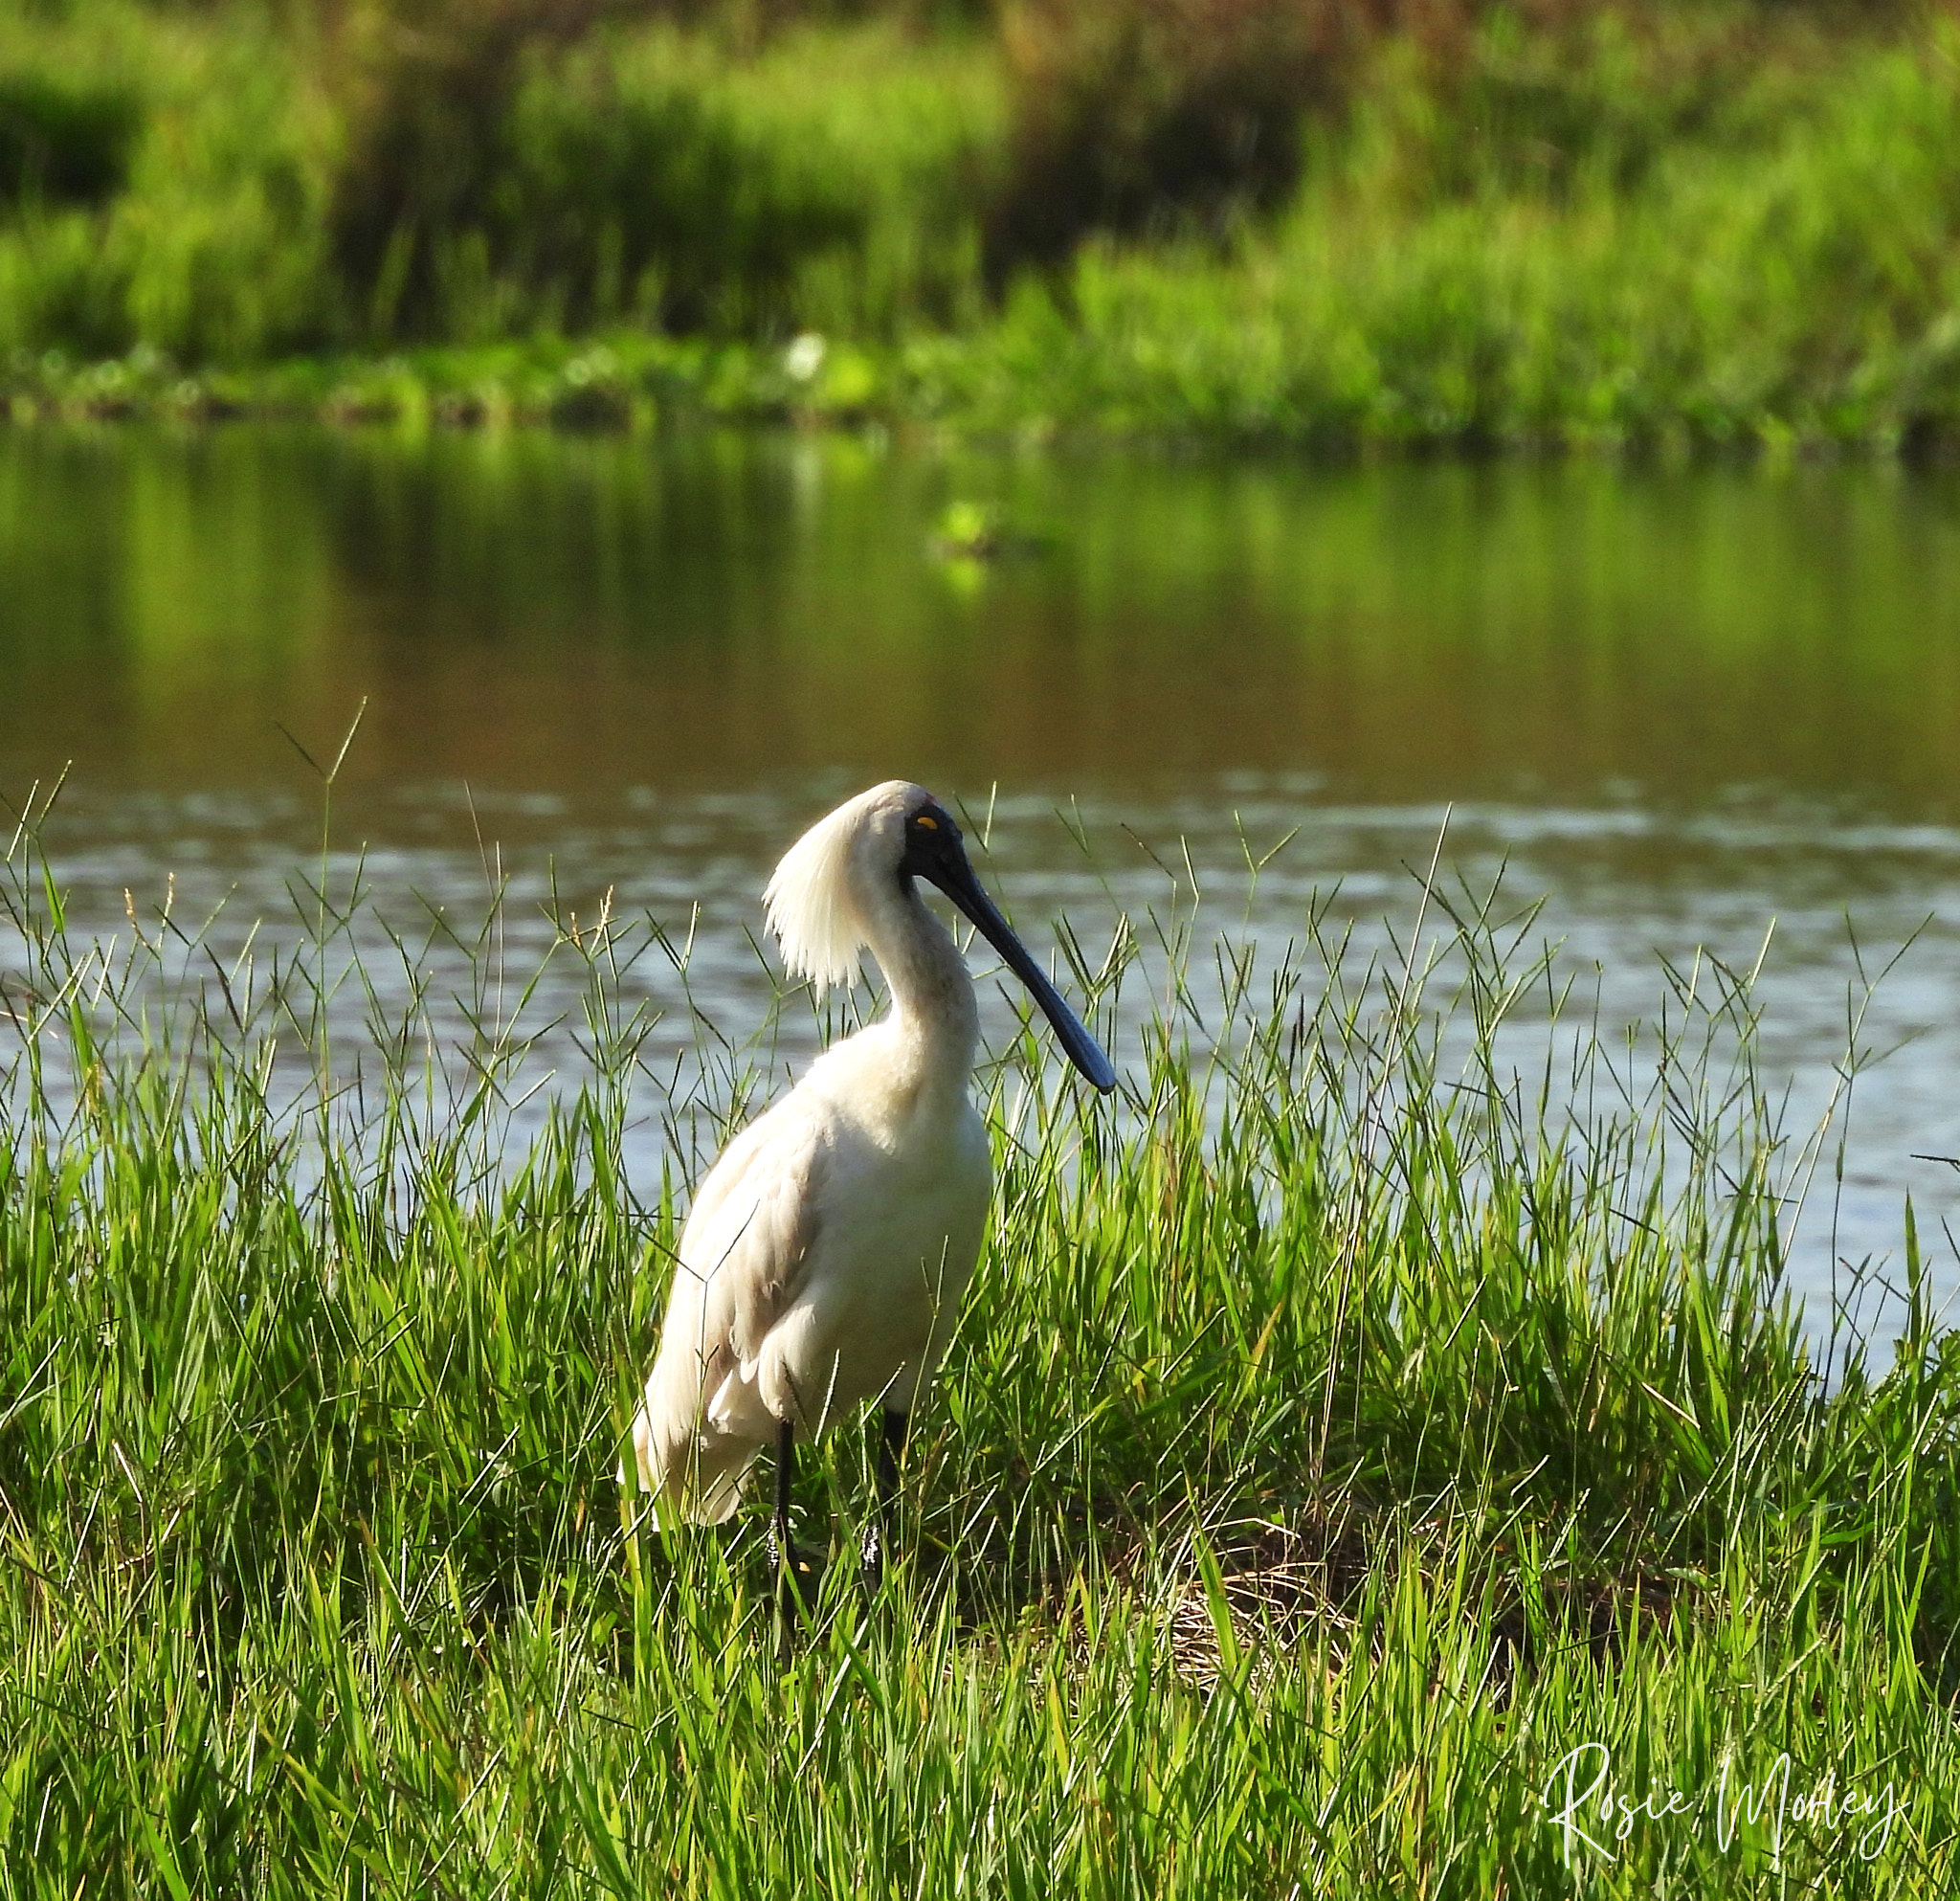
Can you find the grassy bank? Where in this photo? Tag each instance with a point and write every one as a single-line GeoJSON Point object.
{"type": "Point", "coordinates": [1336, 1439]}
{"type": "Point", "coordinates": [1705, 225]}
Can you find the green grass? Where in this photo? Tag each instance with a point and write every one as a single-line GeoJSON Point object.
{"type": "Point", "coordinates": [1791, 281]}
{"type": "Point", "coordinates": [646, 176]}
{"type": "Point", "coordinates": [1336, 1437]}
{"type": "Point", "coordinates": [209, 239]}
{"type": "Point", "coordinates": [1704, 225]}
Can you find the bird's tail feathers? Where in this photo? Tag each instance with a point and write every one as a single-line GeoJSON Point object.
{"type": "Point", "coordinates": [699, 1474]}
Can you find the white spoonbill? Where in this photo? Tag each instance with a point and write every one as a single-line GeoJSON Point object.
{"type": "Point", "coordinates": [826, 1253]}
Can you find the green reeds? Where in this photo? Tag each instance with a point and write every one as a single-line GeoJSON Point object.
{"type": "Point", "coordinates": [1355, 1440]}
{"type": "Point", "coordinates": [449, 180]}
{"type": "Point", "coordinates": [1738, 286]}
{"type": "Point", "coordinates": [1715, 226]}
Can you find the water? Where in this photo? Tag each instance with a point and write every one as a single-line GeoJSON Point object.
{"type": "Point", "coordinates": [1680, 706]}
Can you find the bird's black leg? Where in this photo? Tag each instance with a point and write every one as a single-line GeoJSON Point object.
{"type": "Point", "coordinates": [884, 1529]}
{"type": "Point", "coordinates": [793, 1570]}
{"type": "Point", "coordinates": [786, 1477]}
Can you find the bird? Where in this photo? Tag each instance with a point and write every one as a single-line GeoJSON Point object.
{"type": "Point", "coordinates": [823, 1260]}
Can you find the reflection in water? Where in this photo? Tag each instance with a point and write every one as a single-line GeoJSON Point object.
{"type": "Point", "coordinates": [1679, 703]}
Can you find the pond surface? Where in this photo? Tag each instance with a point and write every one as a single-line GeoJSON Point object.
{"type": "Point", "coordinates": [1681, 707]}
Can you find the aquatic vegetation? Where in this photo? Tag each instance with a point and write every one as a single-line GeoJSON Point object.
{"type": "Point", "coordinates": [1363, 1473]}
{"type": "Point", "coordinates": [829, 180]}
{"type": "Point", "coordinates": [1708, 226]}
{"type": "Point", "coordinates": [485, 185]}
{"type": "Point", "coordinates": [1738, 295]}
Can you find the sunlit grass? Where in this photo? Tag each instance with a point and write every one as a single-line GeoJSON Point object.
{"type": "Point", "coordinates": [1731, 225]}
{"type": "Point", "coordinates": [650, 178]}
{"type": "Point", "coordinates": [1342, 1430]}
{"type": "Point", "coordinates": [1738, 290]}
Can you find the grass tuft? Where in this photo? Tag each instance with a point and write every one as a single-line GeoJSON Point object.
{"type": "Point", "coordinates": [1343, 1430]}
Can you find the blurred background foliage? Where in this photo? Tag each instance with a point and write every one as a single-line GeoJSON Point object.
{"type": "Point", "coordinates": [1441, 211]}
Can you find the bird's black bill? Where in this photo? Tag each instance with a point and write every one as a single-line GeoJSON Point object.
{"type": "Point", "coordinates": [949, 870]}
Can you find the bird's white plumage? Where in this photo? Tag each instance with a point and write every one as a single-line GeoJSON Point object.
{"type": "Point", "coordinates": [824, 1258]}
{"type": "Point", "coordinates": [807, 900]}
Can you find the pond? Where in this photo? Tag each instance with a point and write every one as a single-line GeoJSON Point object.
{"type": "Point", "coordinates": [1686, 706]}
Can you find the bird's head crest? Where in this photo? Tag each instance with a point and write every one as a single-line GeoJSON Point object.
{"type": "Point", "coordinates": [815, 900]}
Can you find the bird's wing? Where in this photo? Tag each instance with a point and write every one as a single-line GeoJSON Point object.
{"type": "Point", "coordinates": [743, 1256]}
{"type": "Point", "coordinates": [748, 1243]}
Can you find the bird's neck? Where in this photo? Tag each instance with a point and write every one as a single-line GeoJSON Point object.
{"type": "Point", "coordinates": [934, 1019]}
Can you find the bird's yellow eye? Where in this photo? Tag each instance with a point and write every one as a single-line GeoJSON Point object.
{"type": "Point", "coordinates": [927, 819]}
